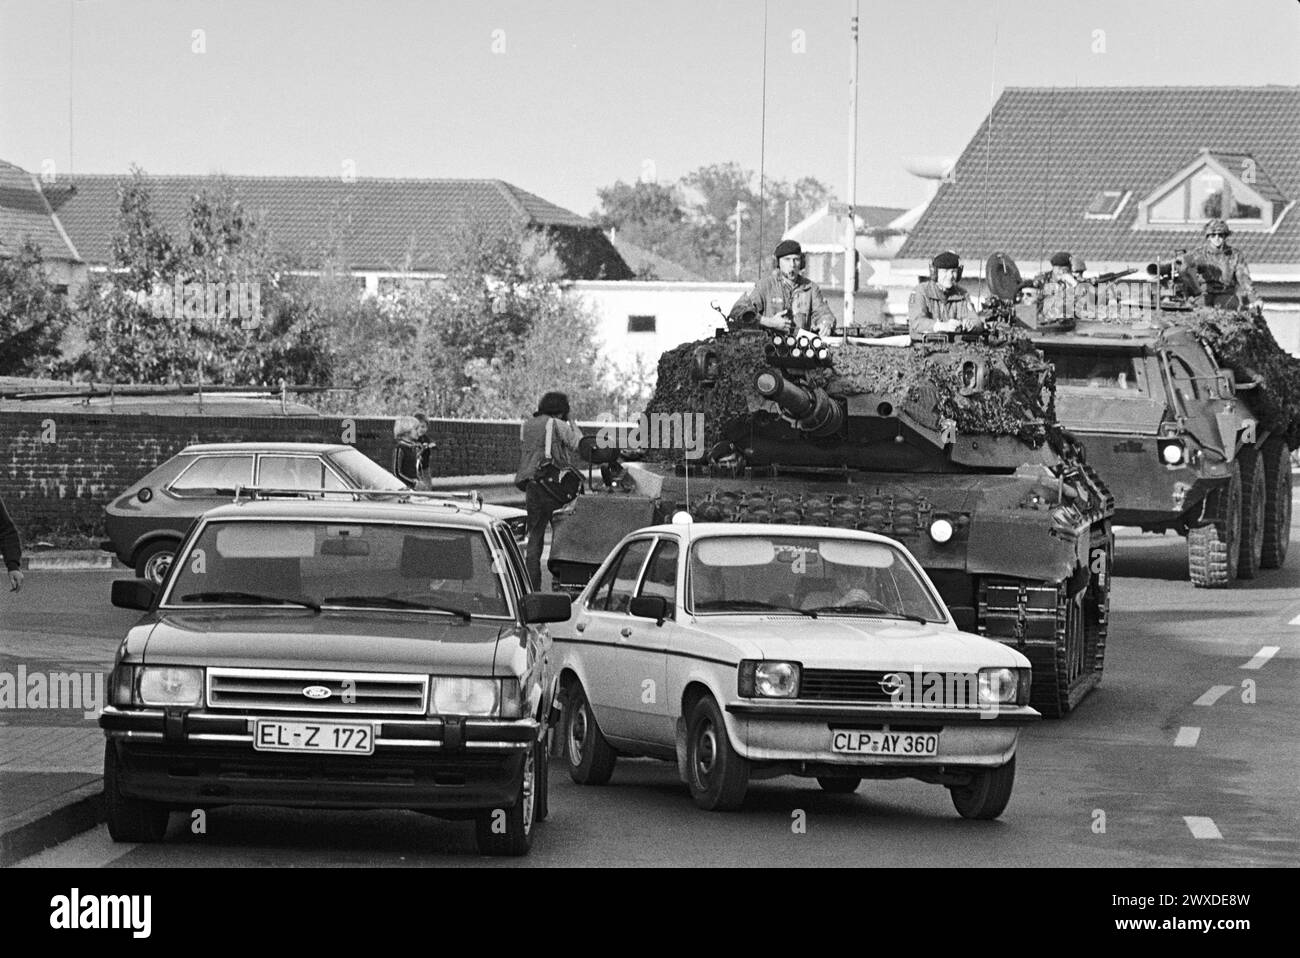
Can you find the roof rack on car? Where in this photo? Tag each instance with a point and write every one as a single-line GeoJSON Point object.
{"type": "Point", "coordinates": [447, 498]}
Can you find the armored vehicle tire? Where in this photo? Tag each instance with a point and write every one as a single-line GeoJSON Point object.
{"type": "Point", "coordinates": [1214, 548]}
{"type": "Point", "coordinates": [591, 758]}
{"type": "Point", "coordinates": [130, 819]}
{"type": "Point", "coordinates": [839, 786]}
{"type": "Point", "coordinates": [987, 794]}
{"type": "Point", "coordinates": [1253, 496]}
{"type": "Point", "coordinates": [1277, 503]}
{"type": "Point", "coordinates": [717, 774]}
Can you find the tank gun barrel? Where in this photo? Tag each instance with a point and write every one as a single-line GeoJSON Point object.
{"type": "Point", "coordinates": [815, 412]}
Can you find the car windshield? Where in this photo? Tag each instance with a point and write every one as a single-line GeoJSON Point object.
{"type": "Point", "coordinates": [320, 564]}
{"type": "Point", "coordinates": [364, 472]}
{"type": "Point", "coordinates": [825, 576]}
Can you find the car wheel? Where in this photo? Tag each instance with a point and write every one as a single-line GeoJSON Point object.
{"type": "Point", "coordinates": [591, 759]}
{"type": "Point", "coordinates": [153, 561]}
{"type": "Point", "coordinates": [987, 793]}
{"type": "Point", "coordinates": [839, 786]}
{"type": "Point", "coordinates": [508, 832]}
{"type": "Point", "coordinates": [130, 819]}
{"type": "Point", "coordinates": [718, 776]}
{"type": "Point", "coordinates": [1253, 496]}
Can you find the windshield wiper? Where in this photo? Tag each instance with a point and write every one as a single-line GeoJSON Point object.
{"type": "Point", "coordinates": [250, 597]}
{"type": "Point", "coordinates": [392, 602]}
{"type": "Point", "coordinates": [875, 611]}
{"type": "Point", "coordinates": [721, 604]}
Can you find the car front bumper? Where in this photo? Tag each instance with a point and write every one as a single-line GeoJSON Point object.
{"type": "Point", "coordinates": [802, 732]}
{"type": "Point", "coordinates": [200, 758]}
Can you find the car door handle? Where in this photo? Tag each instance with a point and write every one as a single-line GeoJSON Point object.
{"type": "Point", "coordinates": [626, 631]}
{"type": "Point", "coordinates": [581, 626]}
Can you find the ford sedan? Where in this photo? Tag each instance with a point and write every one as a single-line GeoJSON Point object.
{"type": "Point", "coordinates": [745, 651]}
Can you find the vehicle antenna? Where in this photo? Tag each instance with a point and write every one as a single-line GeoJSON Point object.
{"type": "Point", "coordinates": [762, 152]}
{"type": "Point", "coordinates": [988, 138]}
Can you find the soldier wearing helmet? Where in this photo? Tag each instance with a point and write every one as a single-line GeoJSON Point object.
{"type": "Point", "coordinates": [940, 305]}
{"type": "Point", "coordinates": [1221, 269]}
{"type": "Point", "coordinates": [785, 299]}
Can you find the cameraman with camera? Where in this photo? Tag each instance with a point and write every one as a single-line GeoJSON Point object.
{"type": "Point", "coordinates": [547, 441]}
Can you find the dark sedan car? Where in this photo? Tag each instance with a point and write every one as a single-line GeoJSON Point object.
{"type": "Point", "coordinates": [336, 654]}
{"type": "Point", "coordinates": [147, 521]}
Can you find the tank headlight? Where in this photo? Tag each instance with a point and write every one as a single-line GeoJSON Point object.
{"type": "Point", "coordinates": [1172, 453]}
{"type": "Point", "coordinates": [941, 530]}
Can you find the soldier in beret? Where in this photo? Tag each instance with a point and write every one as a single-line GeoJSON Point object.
{"type": "Point", "coordinates": [1064, 295]}
{"type": "Point", "coordinates": [785, 299]}
{"type": "Point", "coordinates": [939, 305]}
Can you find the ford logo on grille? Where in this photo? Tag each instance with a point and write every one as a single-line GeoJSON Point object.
{"type": "Point", "coordinates": [893, 683]}
{"type": "Point", "coordinates": [317, 692]}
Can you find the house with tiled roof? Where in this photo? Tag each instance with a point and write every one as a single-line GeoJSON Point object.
{"type": "Point", "coordinates": [1124, 176]}
{"type": "Point", "coordinates": [25, 214]}
{"type": "Point", "coordinates": [386, 230]}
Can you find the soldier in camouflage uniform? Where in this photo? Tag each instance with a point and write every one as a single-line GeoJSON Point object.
{"type": "Point", "coordinates": [785, 299]}
{"type": "Point", "coordinates": [939, 305]}
{"type": "Point", "coordinates": [1221, 269]}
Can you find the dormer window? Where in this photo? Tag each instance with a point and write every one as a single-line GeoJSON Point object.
{"type": "Point", "coordinates": [1214, 186]}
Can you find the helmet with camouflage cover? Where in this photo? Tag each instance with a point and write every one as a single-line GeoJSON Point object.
{"type": "Point", "coordinates": [1216, 227]}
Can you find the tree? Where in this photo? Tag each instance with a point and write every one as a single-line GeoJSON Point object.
{"type": "Point", "coordinates": [33, 314]}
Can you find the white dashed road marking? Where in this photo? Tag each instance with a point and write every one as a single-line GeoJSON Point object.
{"type": "Point", "coordinates": [1188, 736]}
{"type": "Point", "coordinates": [1262, 656]}
{"type": "Point", "coordinates": [1202, 827]}
{"type": "Point", "coordinates": [1213, 695]}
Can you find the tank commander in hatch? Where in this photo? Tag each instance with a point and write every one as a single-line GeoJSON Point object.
{"type": "Point", "coordinates": [1221, 268]}
{"type": "Point", "coordinates": [939, 305]}
{"type": "Point", "coordinates": [785, 299]}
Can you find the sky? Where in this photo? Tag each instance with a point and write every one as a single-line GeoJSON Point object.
{"type": "Point", "coordinates": [564, 97]}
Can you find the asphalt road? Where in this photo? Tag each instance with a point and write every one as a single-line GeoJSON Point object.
{"type": "Point", "coordinates": [1122, 782]}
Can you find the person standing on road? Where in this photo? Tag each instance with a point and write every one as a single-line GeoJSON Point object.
{"type": "Point", "coordinates": [11, 547]}
{"type": "Point", "coordinates": [785, 299]}
{"type": "Point", "coordinates": [552, 417]}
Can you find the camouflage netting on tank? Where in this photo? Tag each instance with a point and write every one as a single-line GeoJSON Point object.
{"type": "Point", "coordinates": [1018, 398]}
{"type": "Point", "coordinates": [1243, 342]}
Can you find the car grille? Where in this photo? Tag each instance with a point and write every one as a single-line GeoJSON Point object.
{"type": "Point", "coordinates": [351, 693]}
{"type": "Point", "coordinates": [848, 685]}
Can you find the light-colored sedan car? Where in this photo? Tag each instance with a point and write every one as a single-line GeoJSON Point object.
{"type": "Point", "coordinates": [752, 650]}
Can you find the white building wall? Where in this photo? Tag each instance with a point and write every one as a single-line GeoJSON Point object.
{"type": "Point", "coordinates": [682, 313]}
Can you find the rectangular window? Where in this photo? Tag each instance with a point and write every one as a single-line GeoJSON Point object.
{"type": "Point", "coordinates": [640, 324]}
{"type": "Point", "coordinates": [1106, 205]}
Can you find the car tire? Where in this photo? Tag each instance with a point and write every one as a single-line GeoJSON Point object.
{"type": "Point", "coordinates": [153, 561]}
{"type": "Point", "coordinates": [986, 795]}
{"type": "Point", "coordinates": [508, 832]}
{"type": "Point", "coordinates": [839, 786]}
{"type": "Point", "coordinates": [591, 759]}
{"type": "Point", "coordinates": [717, 774]}
{"type": "Point", "coordinates": [130, 819]}
{"type": "Point", "coordinates": [544, 777]}
{"type": "Point", "coordinates": [1213, 550]}
{"type": "Point", "coordinates": [1254, 494]}
{"type": "Point", "coordinates": [1277, 504]}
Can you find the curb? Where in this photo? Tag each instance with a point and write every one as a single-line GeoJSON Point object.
{"type": "Point", "coordinates": [51, 822]}
{"type": "Point", "coordinates": [68, 560]}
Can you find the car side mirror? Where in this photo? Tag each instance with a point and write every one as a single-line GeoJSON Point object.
{"type": "Point", "coordinates": [547, 607]}
{"type": "Point", "coordinates": [133, 594]}
{"type": "Point", "coordinates": [650, 607]}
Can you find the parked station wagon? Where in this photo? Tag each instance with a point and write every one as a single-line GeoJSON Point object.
{"type": "Point", "coordinates": [336, 654]}
{"type": "Point", "coordinates": [741, 650]}
{"type": "Point", "coordinates": [147, 521]}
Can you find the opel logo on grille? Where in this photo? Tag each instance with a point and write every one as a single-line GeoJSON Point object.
{"type": "Point", "coordinates": [317, 692]}
{"type": "Point", "coordinates": [893, 683]}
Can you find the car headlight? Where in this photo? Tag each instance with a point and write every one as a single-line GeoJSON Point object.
{"type": "Point", "coordinates": [999, 686]}
{"type": "Point", "coordinates": [770, 680]}
{"type": "Point", "coordinates": [165, 685]}
{"type": "Point", "coordinates": [453, 695]}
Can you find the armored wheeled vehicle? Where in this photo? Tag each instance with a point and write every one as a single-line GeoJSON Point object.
{"type": "Point", "coordinates": [1189, 414]}
{"type": "Point", "coordinates": [949, 445]}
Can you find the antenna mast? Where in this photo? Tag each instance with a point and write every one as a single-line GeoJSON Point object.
{"type": "Point", "coordinates": [850, 228]}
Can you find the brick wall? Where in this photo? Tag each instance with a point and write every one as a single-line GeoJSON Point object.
{"type": "Point", "coordinates": [60, 466]}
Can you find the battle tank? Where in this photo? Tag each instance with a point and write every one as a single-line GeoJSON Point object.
{"type": "Point", "coordinates": [950, 446]}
